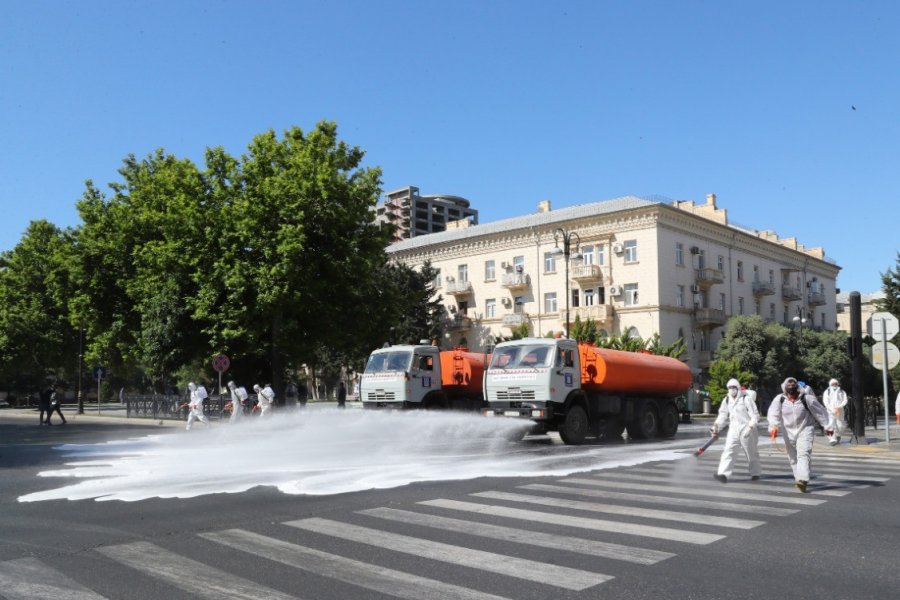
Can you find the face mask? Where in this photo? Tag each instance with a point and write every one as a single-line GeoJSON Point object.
{"type": "Point", "coordinates": [733, 393]}
{"type": "Point", "coordinates": [791, 389]}
{"type": "Point", "coordinates": [834, 386]}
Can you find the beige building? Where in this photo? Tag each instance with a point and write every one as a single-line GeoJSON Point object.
{"type": "Point", "coordinates": [679, 269]}
{"type": "Point", "coordinates": [867, 308]}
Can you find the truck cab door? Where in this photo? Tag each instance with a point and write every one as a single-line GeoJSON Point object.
{"type": "Point", "coordinates": [425, 374]}
{"type": "Point", "coordinates": [565, 376]}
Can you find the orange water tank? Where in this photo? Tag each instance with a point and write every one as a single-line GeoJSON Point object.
{"type": "Point", "coordinates": [462, 370]}
{"type": "Point", "coordinates": [617, 371]}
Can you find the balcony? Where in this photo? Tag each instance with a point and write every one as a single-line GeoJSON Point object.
{"type": "Point", "coordinates": [515, 281]}
{"type": "Point", "coordinates": [514, 319]}
{"type": "Point", "coordinates": [707, 277]}
{"type": "Point", "coordinates": [586, 273]}
{"type": "Point", "coordinates": [458, 288]}
{"type": "Point", "coordinates": [601, 312]}
{"type": "Point", "coordinates": [459, 323]}
{"type": "Point", "coordinates": [816, 298]}
{"type": "Point", "coordinates": [790, 293]}
{"type": "Point", "coordinates": [710, 317]}
{"type": "Point", "coordinates": [763, 288]}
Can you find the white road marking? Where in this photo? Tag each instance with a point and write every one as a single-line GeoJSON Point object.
{"type": "Point", "coordinates": [31, 579]}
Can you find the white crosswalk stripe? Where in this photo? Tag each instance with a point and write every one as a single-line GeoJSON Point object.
{"type": "Point", "coordinates": [646, 513]}
{"type": "Point", "coordinates": [31, 579]}
{"type": "Point", "coordinates": [704, 480]}
{"type": "Point", "coordinates": [551, 541]}
{"type": "Point", "coordinates": [565, 577]}
{"type": "Point", "coordinates": [665, 533]}
{"type": "Point", "coordinates": [358, 573]}
{"type": "Point", "coordinates": [189, 575]}
{"type": "Point", "coordinates": [756, 509]}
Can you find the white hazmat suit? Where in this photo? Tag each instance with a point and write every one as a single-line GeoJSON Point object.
{"type": "Point", "coordinates": [238, 398]}
{"type": "Point", "coordinates": [835, 399]}
{"type": "Point", "coordinates": [266, 397]}
{"type": "Point", "coordinates": [797, 422]}
{"type": "Point", "coordinates": [738, 412]}
{"type": "Point", "coordinates": [198, 394]}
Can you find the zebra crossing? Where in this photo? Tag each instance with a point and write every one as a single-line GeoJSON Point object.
{"type": "Point", "coordinates": [593, 524]}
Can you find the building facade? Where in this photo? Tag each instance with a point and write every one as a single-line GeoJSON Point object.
{"type": "Point", "coordinates": [413, 214]}
{"type": "Point", "coordinates": [636, 265]}
{"type": "Point", "coordinates": [867, 308]}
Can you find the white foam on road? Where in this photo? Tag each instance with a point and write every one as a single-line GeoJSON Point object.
{"type": "Point", "coordinates": [325, 451]}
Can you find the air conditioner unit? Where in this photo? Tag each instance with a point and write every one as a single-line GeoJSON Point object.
{"type": "Point", "coordinates": [506, 302]}
{"type": "Point", "coordinates": [614, 290]}
{"type": "Point", "coordinates": [504, 265]}
{"type": "Point", "coordinates": [617, 248]}
{"type": "Point", "coordinates": [695, 289]}
{"type": "Point", "coordinates": [695, 250]}
{"type": "Point", "coordinates": [449, 278]}
{"type": "Point", "coordinates": [451, 308]}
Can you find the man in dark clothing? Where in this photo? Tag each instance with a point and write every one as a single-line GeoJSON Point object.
{"type": "Point", "coordinates": [44, 405]}
{"type": "Point", "coordinates": [55, 406]}
{"type": "Point", "coordinates": [341, 394]}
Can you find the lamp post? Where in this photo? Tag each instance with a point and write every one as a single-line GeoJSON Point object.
{"type": "Point", "coordinates": [80, 364]}
{"type": "Point", "coordinates": [800, 320]}
{"type": "Point", "coordinates": [566, 250]}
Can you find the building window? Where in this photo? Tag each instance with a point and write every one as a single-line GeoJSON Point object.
{"type": "Point", "coordinates": [740, 270]}
{"type": "Point", "coordinates": [549, 263]}
{"type": "Point", "coordinates": [631, 251]}
{"type": "Point", "coordinates": [490, 270]}
{"type": "Point", "coordinates": [755, 272]}
{"type": "Point", "coordinates": [463, 307]}
{"type": "Point", "coordinates": [721, 263]}
{"type": "Point", "coordinates": [680, 335]}
{"type": "Point", "coordinates": [437, 278]}
{"type": "Point", "coordinates": [490, 308]}
{"type": "Point", "coordinates": [587, 255]}
{"type": "Point", "coordinates": [758, 308]}
{"type": "Point", "coordinates": [786, 322]}
{"type": "Point", "coordinates": [575, 297]}
{"type": "Point", "coordinates": [589, 297]}
{"type": "Point", "coordinates": [603, 334]}
{"type": "Point", "coordinates": [550, 302]}
{"type": "Point", "coordinates": [722, 301]}
{"type": "Point", "coordinates": [631, 294]}
{"type": "Point", "coordinates": [601, 259]}
{"type": "Point", "coordinates": [519, 304]}
{"type": "Point", "coordinates": [772, 311]}
{"type": "Point", "coordinates": [601, 295]}
{"type": "Point", "coordinates": [679, 253]}
{"type": "Point", "coordinates": [772, 276]}
{"type": "Point", "coordinates": [633, 332]}
{"type": "Point", "coordinates": [704, 341]}
{"type": "Point", "coordinates": [822, 320]}
{"type": "Point", "coordinates": [462, 272]}
{"type": "Point", "coordinates": [701, 259]}
{"type": "Point", "coordinates": [740, 305]}
{"type": "Point", "coordinates": [679, 296]}
{"type": "Point", "coordinates": [518, 264]}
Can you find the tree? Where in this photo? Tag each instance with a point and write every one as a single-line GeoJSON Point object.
{"type": "Point", "coordinates": [584, 331]}
{"type": "Point", "coordinates": [720, 371]}
{"type": "Point", "coordinates": [890, 285]}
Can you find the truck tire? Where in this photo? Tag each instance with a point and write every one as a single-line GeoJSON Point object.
{"type": "Point", "coordinates": [574, 426]}
{"type": "Point", "coordinates": [668, 421]}
{"type": "Point", "coordinates": [646, 424]}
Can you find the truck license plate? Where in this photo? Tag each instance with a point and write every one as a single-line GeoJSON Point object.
{"type": "Point", "coordinates": [512, 413]}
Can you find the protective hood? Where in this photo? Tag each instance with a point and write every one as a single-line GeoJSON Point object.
{"type": "Point", "coordinates": [785, 382]}
{"type": "Point", "coordinates": [733, 383]}
{"type": "Point", "coordinates": [834, 382]}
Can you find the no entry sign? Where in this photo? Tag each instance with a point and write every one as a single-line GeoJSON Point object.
{"type": "Point", "coordinates": [220, 363]}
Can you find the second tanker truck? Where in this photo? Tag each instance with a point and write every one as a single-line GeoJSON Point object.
{"type": "Point", "coordinates": [583, 391]}
{"type": "Point", "coordinates": [422, 376]}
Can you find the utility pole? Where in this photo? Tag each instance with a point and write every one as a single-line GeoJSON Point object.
{"type": "Point", "coordinates": [856, 356]}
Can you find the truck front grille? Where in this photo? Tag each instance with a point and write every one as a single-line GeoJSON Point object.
{"type": "Point", "coordinates": [380, 396]}
{"type": "Point", "coordinates": [514, 394]}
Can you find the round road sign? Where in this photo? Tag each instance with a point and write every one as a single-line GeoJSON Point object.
{"type": "Point", "coordinates": [220, 363]}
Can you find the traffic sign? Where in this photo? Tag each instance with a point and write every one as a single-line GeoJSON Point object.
{"type": "Point", "coordinates": [99, 373]}
{"type": "Point", "coordinates": [883, 326]}
{"type": "Point", "coordinates": [220, 363]}
{"type": "Point", "coordinates": [878, 355]}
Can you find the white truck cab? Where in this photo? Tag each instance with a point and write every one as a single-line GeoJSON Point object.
{"type": "Point", "coordinates": [403, 376]}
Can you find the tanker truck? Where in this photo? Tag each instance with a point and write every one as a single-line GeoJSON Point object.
{"type": "Point", "coordinates": [583, 391]}
{"type": "Point", "coordinates": [423, 376]}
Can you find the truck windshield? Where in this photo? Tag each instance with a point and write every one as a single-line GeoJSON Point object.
{"type": "Point", "coordinates": [388, 361]}
{"type": "Point", "coordinates": [519, 357]}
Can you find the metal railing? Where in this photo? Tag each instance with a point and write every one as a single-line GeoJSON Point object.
{"type": "Point", "coordinates": [141, 406]}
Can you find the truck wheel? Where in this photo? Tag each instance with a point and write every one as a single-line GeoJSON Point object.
{"type": "Point", "coordinates": [668, 421]}
{"type": "Point", "coordinates": [645, 425]}
{"type": "Point", "coordinates": [574, 426]}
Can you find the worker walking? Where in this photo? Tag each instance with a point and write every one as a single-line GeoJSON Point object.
{"type": "Point", "coordinates": [738, 412]}
{"type": "Point", "coordinates": [198, 395]}
{"type": "Point", "coordinates": [835, 399]}
{"type": "Point", "coordinates": [238, 401]}
{"type": "Point", "coordinates": [265, 397]}
{"type": "Point", "coordinates": [794, 414]}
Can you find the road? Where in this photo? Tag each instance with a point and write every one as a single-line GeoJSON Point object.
{"type": "Point", "coordinates": [663, 528]}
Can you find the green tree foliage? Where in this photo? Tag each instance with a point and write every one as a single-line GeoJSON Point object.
{"type": "Point", "coordinates": [584, 331]}
{"type": "Point", "coordinates": [720, 371]}
{"type": "Point", "coordinates": [890, 285]}
{"type": "Point", "coordinates": [37, 340]}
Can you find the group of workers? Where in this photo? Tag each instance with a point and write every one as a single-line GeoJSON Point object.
{"type": "Point", "coordinates": [793, 414]}
{"type": "Point", "coordinates": [265, 400]}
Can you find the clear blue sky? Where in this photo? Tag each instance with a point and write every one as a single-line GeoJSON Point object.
{"type": "Point", "coordinates": [506, 103]}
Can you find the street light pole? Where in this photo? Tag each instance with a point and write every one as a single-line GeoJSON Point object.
{"type": "Point", "coordinates": [567, 238]}
{"type": "Point", "coordinates": [800, 320]}
{"type": "Point", "coordinates": [80, 364]}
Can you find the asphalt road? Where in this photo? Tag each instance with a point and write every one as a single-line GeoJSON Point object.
{"type": "Point", "coordinates": [654, 530]}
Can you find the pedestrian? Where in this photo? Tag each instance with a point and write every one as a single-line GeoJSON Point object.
{"type": "Point", "coordinates": [55, 406]}
{"type": "Point", "coordinates": [44, 406]}
{"type": "Point", "coordinates": [238, 401]}
{"type": "Point", "coordinates": [265, 397]}
{"type": "Point", "coordinates": [835, 399]}
{"type": "Point", "coordinates": [897, 408]}
{"type": "Point", "coordinates": [198, 395]}
{"type": "Point", "coordinates": [341, 394]}
{"type": "Point", "coordinates": [738, 412]}
{"type": "Point", "coordinates": [795, 414]}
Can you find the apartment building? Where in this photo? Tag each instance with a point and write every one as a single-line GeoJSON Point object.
{"type": "Point", "coordinates": [413, 214]}
{"type": "Point", "coordinates": [645, 266]}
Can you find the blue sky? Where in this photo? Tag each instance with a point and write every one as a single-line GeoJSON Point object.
{"type": "Point", "coordinates": [788, 111]}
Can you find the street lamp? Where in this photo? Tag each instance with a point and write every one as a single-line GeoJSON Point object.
{"type": "Point", "coordinates": [566, 251]}
{"type": "Point", "coordinates": [800, 320]}
{"type": "Point", "coordinates": [80, 364]}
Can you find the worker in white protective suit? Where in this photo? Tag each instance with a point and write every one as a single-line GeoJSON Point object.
{"type": "Point", "coordinates": [835, 399]}
{"type": "Point", "coordinates": [738, 412]}
{"type": "Point", "coordinates": [794, 414]}
{"type": "Point", "coordinates": [238, 400]}
{"type": "Point", "coordinates": [195, 405]}
{"type": "Point", "coordinates": [265, 397]}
